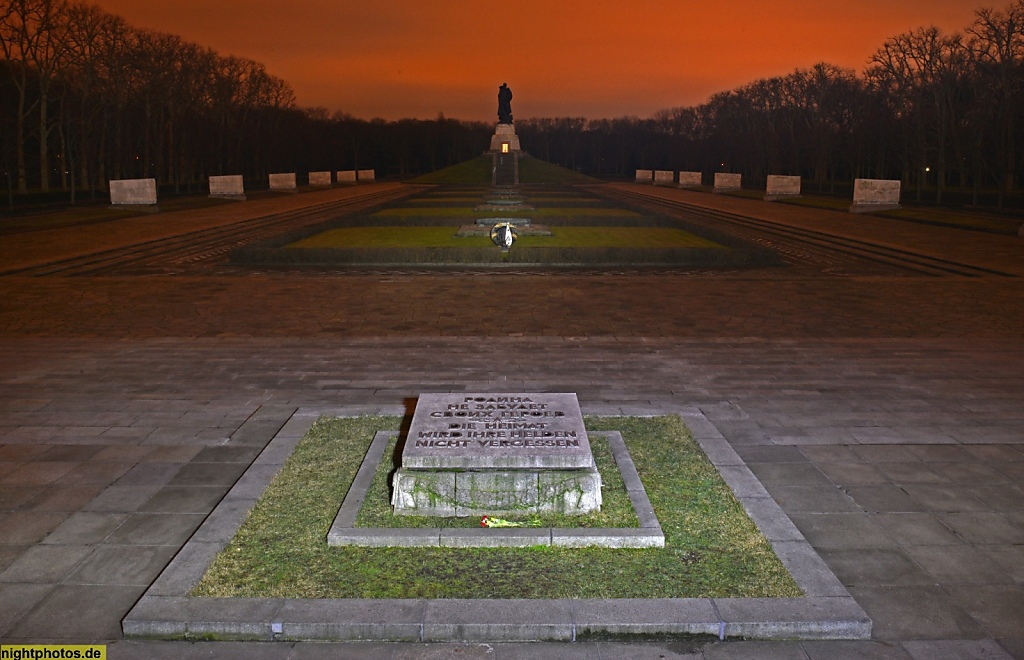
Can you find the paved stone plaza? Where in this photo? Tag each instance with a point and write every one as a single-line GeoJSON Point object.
{"type": "Point", "coordinates": [884, 413]}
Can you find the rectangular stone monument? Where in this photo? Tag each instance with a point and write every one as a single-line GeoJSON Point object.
{"type": "Point", "coordinates": [319, 178]}
{"type": "Point", "coordinates": [690, 179]}
{"type": "Point", "coordinates": [474, 454]}
{"type": "Point", "coordinates": [726, 181]}
{"type": "Point", "coordinates": [283, 181]}
{"type": "Point", "coordinates": [664, 177]}
{"type": "Point", "coordinates": [781, 187]}
{"type": "Point", "coordinates": [644, 176]}
{"type": "Point", "coordinates": [505, 140]}
{"type": "Point", "coordinates": [365, 176]}
{"type": "Point", "coordinates": [347, 177]}
{"type": "Point", "coordinates": [227, 187]}
{"type": "Point", "coordinates": [133, 192]}
{"type": "Point", "coordinates": [875, 195]}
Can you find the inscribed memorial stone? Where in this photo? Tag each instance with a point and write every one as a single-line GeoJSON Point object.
{"type": "Point", "coordinates": [875, 195]}
{"type": "Point", "coordinates": [727, 181]}
{"type": "Point", "coordinates": [133, 191]}
{"type": "Point", "coordinates": [689, 179]}
{"type": "Point", "coordinates": [282, 181]}
{"type": "Point", "coordinates": [664, 177]}
{"type": "Point", "coordinates": [481, 431]}
{"type": "Point", "coordinates": [319, 178]}
{"type": "Point", "coordinates": [779, 186]}
{"type": "Point", "coordinates": [471, 454]}
{"type": "Point", "coordinates": [230, 186]}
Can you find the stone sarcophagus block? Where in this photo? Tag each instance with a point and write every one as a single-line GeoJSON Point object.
{"type": "Point", "coordinates": [875, 195]}
{"type": "Point", "coordinates": [133, 192]}
{"type": "Point", "coordinates": [282, 181]}
{"type": "Point", "coordinates": [780, 187]}
{"type": "Point", "coordinates": [227, 187]}
{"type": "Point", "coordinates": [319, 178]}
{"type": "Point", "coordinates": [727, 181]}
{"type": "Point", "coordinates": [690, 179]}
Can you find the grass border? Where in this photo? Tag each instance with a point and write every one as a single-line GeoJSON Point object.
{"type": "Point", "coordinates": [281, 550]}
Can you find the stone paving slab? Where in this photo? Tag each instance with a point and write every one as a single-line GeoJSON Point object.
{"type": "Point", "coordinates": [827, 612]}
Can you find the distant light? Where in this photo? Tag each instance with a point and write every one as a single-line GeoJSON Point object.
{"type": "Point", "coordinates": [927, 169]}
{"type": "Point", "coordinates": [504, 147]}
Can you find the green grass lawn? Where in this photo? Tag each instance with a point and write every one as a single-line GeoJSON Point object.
{"type": "Point", "coordinates": [433, 237]}
{"type": "Point", "coordinates": [712, 547]}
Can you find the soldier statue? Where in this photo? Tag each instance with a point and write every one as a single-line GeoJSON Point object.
{"type": "Point", "coordinates": [504, 104]}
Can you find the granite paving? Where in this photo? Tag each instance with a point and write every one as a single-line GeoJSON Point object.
{"type": "Point", "coordinates": [883, 415]}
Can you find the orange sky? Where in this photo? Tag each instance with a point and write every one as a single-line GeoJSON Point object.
{"type": "Point", "coordinates": [592, 58]}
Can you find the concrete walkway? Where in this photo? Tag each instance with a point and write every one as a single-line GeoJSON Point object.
{"type": "Point", "coordinates": [883, 415]}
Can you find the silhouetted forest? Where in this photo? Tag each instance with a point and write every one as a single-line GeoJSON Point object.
{"type": "Point", "coordinates": [85, 97]}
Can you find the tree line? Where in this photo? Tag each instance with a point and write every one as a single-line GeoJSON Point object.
{"type": "Point", "coordinates": [85, 97]}
{"type": "Point", "coordinates": [938, 111]}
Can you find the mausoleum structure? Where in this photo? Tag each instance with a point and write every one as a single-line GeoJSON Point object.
{"type": "Point", "coordinates": [484, 454]}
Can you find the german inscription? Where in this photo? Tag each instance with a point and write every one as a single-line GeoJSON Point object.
{"type": "Point", "coordinates": [481, 431]}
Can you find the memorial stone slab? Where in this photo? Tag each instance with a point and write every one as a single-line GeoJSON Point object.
{"type": "Point", "coordinates": [725, 181]}
{"type": "Point", "coordinates": [319, 178]}
{"type": "Point", "coordinates": [133, 192]}
{"type": "Point", "coordinates": [644, 176]}
{"type": "Point", "coordinates": [779, 187]}
{"type": "Point", "coordinates": [690, 179]}
{"type": "Point", "coordinates": [365, 176]}
{"type": "Point", "coordinates": [875, 195]}
{"type": "Point", "coordinates": [229, 187]}
{"type": "Point", "coordinates": [664, 177]}
{"type": "Point", "coordinates": [346, 176]}
{"type": "Point", "coordinates": [489, 431]}
{"type": "Point", "coordinates": [282, 181]}
{"type": "Point", "coordinates": [496, 454]}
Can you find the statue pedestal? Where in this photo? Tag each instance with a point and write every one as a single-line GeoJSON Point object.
{"type": "Point", "coordinates": [505, 140]}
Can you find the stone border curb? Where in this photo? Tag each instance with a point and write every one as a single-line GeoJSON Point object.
{"type": "Point", "coordinates": [166, 611]}
{"type": "Point", "coordinates": [648, 535]}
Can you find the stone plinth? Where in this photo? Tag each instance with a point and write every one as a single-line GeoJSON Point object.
{"type": "Point", "coordinates": [133, 192]}
{"type": "Point", "coordinates": [727, 181]}
{"type": "Point", "coordinates": [505, 140]}
{"type": "Point", "coordinates": [283, 181]}
{"type": "Point", "coordinates": [346, 176]}
{"type": "Point", "coordinates": [366, 176]}
{"type": "Point", "coordinates": [227, 187]}
{"type": "Point", "coordinates": [664, 177]}
{"type": "Point", "coordinates": [690, 179]}
{"type": "Point", "coordinates": [875, 195]}
{"type": "Point", "coordinates": [319, 178]}
{"type": "Point", "coordinates": [644, 176]}
{"type": "Point", "coordinates": [780, 187]}
{"type": "Point", "coordinates": [472, 454]}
